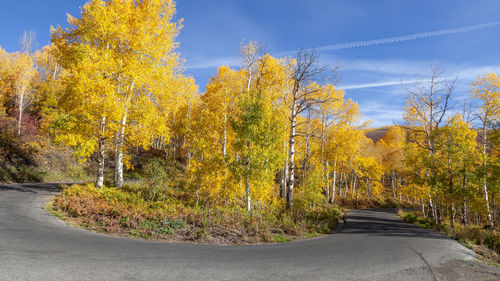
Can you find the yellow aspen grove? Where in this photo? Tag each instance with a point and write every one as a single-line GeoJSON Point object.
{"type": "Point", "coordinates": [47, 63]}
{"type": "Point", "coordinates": [51, 86]}
{"type": "Point", "coordinates": [211, 136]}
{"type": "Point", "coordinates": [392, 144]}
{"type": "Point", "coordinates": [178, 109]}
{"type": "Point", "coordinates": [487, 90]}
{"type": "Point", "coordinates": [334, 112]}
{"type": "Point", "coordinates": [428, 102]}
{"type": "Point", "coordinates": [221, 100]}
{"type": "Point", "coordinates": [459, 144]}
{"type": "Point", "coordinates": [128, 46]}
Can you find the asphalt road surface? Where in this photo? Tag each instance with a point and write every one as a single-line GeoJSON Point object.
{"type": "Point", "coordinates": [373, 245]}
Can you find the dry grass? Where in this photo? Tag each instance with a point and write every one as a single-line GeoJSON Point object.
{"type": "Point", "coordinates": [123, 212]}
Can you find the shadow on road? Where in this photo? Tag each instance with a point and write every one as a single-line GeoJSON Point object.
{"type": "Point", "coordinates": [383, 223]}
{"type": "Point", "coordinates": [32, 187]}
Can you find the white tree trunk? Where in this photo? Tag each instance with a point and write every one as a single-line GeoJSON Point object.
{"type": "Point", "coordinates": [423, 207]}
{"type": "Point", "coordinates": [328, 179]}
{"type": "Point", "coordinates": [485, 185]}
{"type": "Point", "coordinates": [433, 209]}
{"type": "Point", "coordinates": [452, 216]}
{"type": "Point", "coordinates": [284, 181]}
{"type": "Point", "coordinates": [291, 167]}
{"type": "Point", "coordinates": [346, 188]}
{"type": "Point", "coordinates": [249, 81]}
{"type": "Point", "coordinates": [341, 183]}
{"type": "Point", "coordinates": [284, 176]}
{"type": "Point", "coordinates": [398, 183]}
{"type": "Point", "coordinates": [357, 190]}
{"type": "Point", "coordinates": [324, 174]}
{"type": "Point", "coordinates": [306, 157]}
{"type": "Point", "coordinates": [119, 153]}
{"type": "Point", "coordinates": [247, 189]}
{"type": "Point", "coordinates": [332, 199]}
{"type": "Point", "coordinates": [393, 183]}
{"type": "Point", "coordinates": [188, 118]}
{"type": "Point", "coordinates": [20, 108]}
{"type": "Point", "coordinates": [101, 153]}
{"type": "Point", "coordinates": [54, 74]}
{"type": "Point", "coordinates": [487, 203]}
{"type": "Point", "coordinates": [197, 185]}
{"type": "Point", "coordinates": [465, 217]}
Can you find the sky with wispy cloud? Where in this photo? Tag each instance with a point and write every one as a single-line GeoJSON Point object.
{"type": "Point", "coordinates": [379, 44]}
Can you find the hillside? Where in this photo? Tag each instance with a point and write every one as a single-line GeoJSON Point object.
{"type": "Point", "coordinates": [376, 133]}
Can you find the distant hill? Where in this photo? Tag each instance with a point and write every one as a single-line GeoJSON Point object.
{"type": "Point", "coordinates": [376, 133]}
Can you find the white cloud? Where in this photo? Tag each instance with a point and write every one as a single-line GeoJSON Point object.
{"type": "Point", "coordinates": [374, 85]}
{"type": "Point", "coordinates": [467, 74]}
{"type": "Point", "coordinates": [214, 63]}
{"type": "Point", "coordinates": [385, 66]}
{"type": "Point", "coordinates": [380, 114]}
{"type": "Point", "coordinates": [471, 73]}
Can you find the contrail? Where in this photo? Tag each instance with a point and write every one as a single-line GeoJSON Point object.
{"type": "Point", "coordinates": [358, 44]}
{"type": "Point", "coordinates": [402, 38]}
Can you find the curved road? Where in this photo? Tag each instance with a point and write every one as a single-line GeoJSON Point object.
{"type": "Point", "coordinates": [374, 245]}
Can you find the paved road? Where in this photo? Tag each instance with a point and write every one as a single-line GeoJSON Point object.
{"type": "Point", "coordinates": [374, 245]}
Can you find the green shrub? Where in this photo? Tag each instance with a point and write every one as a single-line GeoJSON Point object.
{"type": "Point", "coordinates": [410, 217]}
{"type": "Point", "coordinates": [280, 238]}
{"type": "Point", "coordinates": [469, 235]}
{"type": "Point", "coordinates": [149, 225]}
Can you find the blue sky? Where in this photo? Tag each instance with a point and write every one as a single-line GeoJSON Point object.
{"type": "Point", "coordinates": [371, 73]}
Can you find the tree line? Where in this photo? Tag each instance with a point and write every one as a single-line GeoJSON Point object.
{"type": "Point", "coordinates": [452, 149]}
{"type": "Point", "coordinates": [273, 131]}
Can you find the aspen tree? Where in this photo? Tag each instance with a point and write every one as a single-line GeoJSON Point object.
{"type": "Point", "coordinates": [121, 59]}
{"type": "Point", "coordinates": [301, 97]}
{"type": "Point", "coordinates": [257, 142]}
{"type": "Point", "coordinates": [25, 72]}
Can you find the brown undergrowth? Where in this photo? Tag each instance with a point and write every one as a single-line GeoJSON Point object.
{"type": "Point", "coordinates": [124, 212]}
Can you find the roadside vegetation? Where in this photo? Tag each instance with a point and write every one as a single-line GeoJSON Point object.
{"type": "Point", "coordinates": [271, 150]}
{"type": "Point", "coordinates": [130, 212]}
{"type": "Point", "coordinates": [485, 242]}
{"type": "Point", "coordinates": [35, 158]}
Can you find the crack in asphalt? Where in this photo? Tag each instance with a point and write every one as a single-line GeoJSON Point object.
{"type": "Point", "coordinates": [423, 259]}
